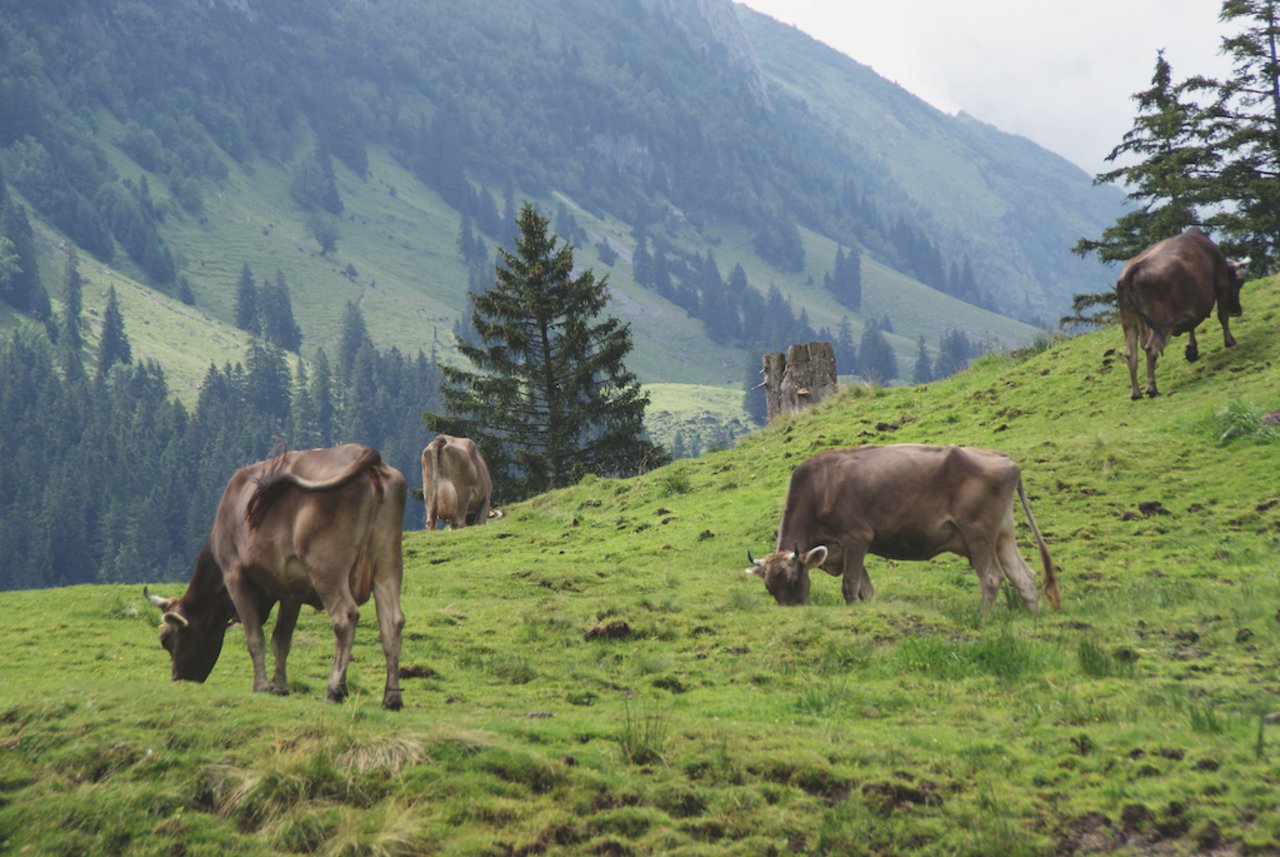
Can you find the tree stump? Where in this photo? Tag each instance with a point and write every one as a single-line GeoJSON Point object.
{"type": "Point", "coordinates": [803, 377]}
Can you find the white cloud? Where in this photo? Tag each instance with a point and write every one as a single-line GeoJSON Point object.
{"type": "Point", "coordinates": [1061, 73]}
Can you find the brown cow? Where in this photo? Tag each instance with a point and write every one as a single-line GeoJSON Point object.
{"type": "Point", "coordinates": [1168, 289]}
{"type": "Point", "coordinates": [321, 527]}
{"type": "Point", "coordinates": [906, 502]}
{"type": "Point", "coordinates": [455, 483]}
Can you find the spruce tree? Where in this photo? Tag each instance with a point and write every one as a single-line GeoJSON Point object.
{"type": "Point", "coordinates": [246, 301]}
{"type": "Point", "coordinates": [1246, 130]}
{"type": "Point", "coordinates": [276, 314]}
{"type": "Point", "coordinates": [876, 357]}
{"type": "Point", "coordinates": [1167, 182]}
{"type": "Point", "coordinates": [354, 335]}
{"type": "Point", "coordinates": [22, 288]}
{"type": "Point", "coordinates": [549, 398]}
{"type": "Point", "coordinates": [114, 345]}
{"type": "Point", "coordinates": [72, 302]}
{"type": "Point", "coordinates": [923, 372]}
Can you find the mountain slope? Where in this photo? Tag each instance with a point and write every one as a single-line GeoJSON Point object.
{"type": "Point", "coordinates": [1000, 199]}
{"type": "Point", "coordinates": [691, 123]}
{"type": "Point", "coordinates": [594, 674]}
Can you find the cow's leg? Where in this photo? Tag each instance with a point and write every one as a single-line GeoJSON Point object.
{"type": "Point", "coordinates": [1131, 358]}
{"type": "Point", "coordinates": [1224, 317]}
{"type": "Point", "coordinates": [344, 615]}
{"type": "Point", "coordinates": [252, 607]}
{"type": "Point", "coordinates": [982, 557]}
{"type": "Point", "coordinates": [856, 583]}
{"type": "Point", "coordinates": [1015, 568]}
{"type": "Point", "coordinates": [386, 596]}
{"type": "Point", "coordinates": [1152, 392]}
{"type": "Point", "coordinates": [281, 639]}
{"type": "Point", "coordinates": [1193, 349]}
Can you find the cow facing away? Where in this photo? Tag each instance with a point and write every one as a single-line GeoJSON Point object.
{"type": "Point", "coordinates": [905, 502]}
{"type": "Point", "coordinates": [321, 527]}
{"type": "Point", "coordinates": [455, 483]}
{"type": "Point", "coordinates": [1167, 290]}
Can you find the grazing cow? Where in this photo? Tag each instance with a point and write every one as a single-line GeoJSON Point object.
{"type": "Point", "coordinates": [321, 527]}
{"type": "Point", "coordinates": [907, 502]}
{"type": "Point", "coordinates": [1168, 289]}
{"type": "Point", "coordinates": [455, 483]}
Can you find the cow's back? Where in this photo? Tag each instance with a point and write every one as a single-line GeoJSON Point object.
{"type": "Point", "coordinates": [1168, 288]}
{"type": "Point", "coordinates": [871, 488]}
{"type": "Point", "coordinates": [304, 532]}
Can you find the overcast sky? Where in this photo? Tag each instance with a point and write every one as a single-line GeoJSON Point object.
{"type": "Point", "coordinates": [1061, 72]}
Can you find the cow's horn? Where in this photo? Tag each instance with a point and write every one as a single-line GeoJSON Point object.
{"type": "Point", "coordinates": [176, 619]}
{"type": "Point", "coordinates": [750, 558]}
{"type": "Point", "coordinates": [162, 603]}
{"type": "Point", "coordinates": [797, 549]}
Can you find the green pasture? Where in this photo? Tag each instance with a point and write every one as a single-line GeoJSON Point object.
{"type": "Point", "coordinates": [593, 673]}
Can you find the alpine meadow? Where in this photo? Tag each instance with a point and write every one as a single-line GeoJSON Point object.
{"type": "Point", "coordinates": [568, 231]}
{"type": "Point", "coordinates": [593, 673]}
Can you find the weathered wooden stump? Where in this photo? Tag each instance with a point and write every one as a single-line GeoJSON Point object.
{"type": "Point", "coordinates": [802, 377]}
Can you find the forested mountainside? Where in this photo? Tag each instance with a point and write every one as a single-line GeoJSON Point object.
{"type": "Point", "coordinates": [374, 152]}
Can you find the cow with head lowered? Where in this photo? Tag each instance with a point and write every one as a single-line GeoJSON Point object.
{"type": "Point", "coordinates": [905, 502]}
{"type": "Point", "coordinates": [455, 483]}
{"type": "Point", "coordinates": [1167, 290]}
{"type": "Point", "coordinates": [321, 527]}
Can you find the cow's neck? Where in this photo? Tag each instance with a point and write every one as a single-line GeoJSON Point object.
{"type": "Point", "coordinates": [794, 532]}
{"type": "Point", "coordinates": [207, 590]}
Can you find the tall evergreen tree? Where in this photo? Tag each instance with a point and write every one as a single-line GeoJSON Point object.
{"type": "Point", "coordinates": [22, 288]}
{"type": "Point", "coordinates": [1167, 178]}
{"type": "Point", "coordinates": [846, 349]}
{"type": "Point", "coordinates": [550, 398]}
{"type": "Point", "coordinates": [1246, 130]}
{"type": "Point", "coordinates": [113, 347]}
{"type": "Point", "coordinates": [876, 358]}
{"type": "Point", "coordinates": [276, 314]}
{"type": "Point", "coordinates": [923, 372]}
{"type": "Point", "coordinates": [355, 333]}
{"type": "Point", "coordinates": [314, 186]}
{"type": "Point", "coordinates": [72, 302]}
{"type": "Point", "coordinates": [246, 301]}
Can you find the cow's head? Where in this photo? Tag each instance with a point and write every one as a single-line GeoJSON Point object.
{"type": "Point", "coordinates": [786, 573]}
{"type": "Point", "coordinates": [193, 638]}
{"type": "Point", "coordinates": [1236, 272]}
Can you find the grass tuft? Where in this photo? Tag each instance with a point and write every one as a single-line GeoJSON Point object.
{"type": "Point", "coordinates": [642, 739]}
{"type": "Point", "coordinates": [1241, 420]}
{"type": "Point", "coordinates": [1099, 663]}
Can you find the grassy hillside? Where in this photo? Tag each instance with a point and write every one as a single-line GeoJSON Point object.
{"type": "Point", "coordinates": [594, 674]}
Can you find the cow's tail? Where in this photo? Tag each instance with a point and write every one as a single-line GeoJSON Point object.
{"type": "Point", "coordinates": [1050, 585]}
{"type": "Point", "coordinates": [276, 479]}
{"type": "Point", "coordinates": [432, 453]}
{"type": "Point", "coordinates": [1152, 338]}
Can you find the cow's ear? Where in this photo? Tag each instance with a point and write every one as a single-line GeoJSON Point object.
{"type": "Point", "coordinates": [815, 557]}
{"type": "Point", "coordinates": [176, 619]}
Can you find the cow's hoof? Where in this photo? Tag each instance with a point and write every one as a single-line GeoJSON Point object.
{"type": "Point", "coordinates": [335, 696]}
{"type": "Point", "coordinates": [276, 690]}
{"type": "Point", "coordinates": [392, 701]}
{"type": "Point", "coordinates": [1151, 394]}
{"type": "Point", "coordinates": [1193, 354]}
{"type": "Point", "coordinates": [1136, 397]}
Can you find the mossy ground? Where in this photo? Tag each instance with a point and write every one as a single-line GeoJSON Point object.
{"type": "Point", "coordinates": [594, 674]}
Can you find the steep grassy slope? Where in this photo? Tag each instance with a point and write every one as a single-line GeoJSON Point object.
{"type": "Point", "coordinates": [594, 674]}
